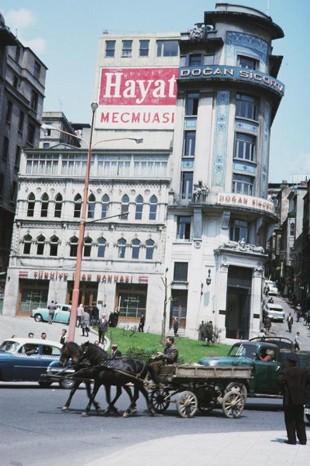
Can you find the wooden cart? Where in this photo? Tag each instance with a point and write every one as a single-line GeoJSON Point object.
{"type": "Point", "coordinates": [198, 388]}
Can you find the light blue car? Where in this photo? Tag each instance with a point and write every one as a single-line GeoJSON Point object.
{"type": "Point", "coordinates": [61, 314]}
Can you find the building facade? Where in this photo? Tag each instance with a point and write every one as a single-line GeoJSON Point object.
{"type": "Point", "coordinates": [195, 190]}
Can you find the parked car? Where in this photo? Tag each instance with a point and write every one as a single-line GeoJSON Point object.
{"type": "Point", "coordinates": [26, 359]}
{"type": "Point", "coordinates": [273, 290]}
{"type": "Point", "coordinates": [61, 314]}
{"type": "Point", "coordinates": [274, 311]}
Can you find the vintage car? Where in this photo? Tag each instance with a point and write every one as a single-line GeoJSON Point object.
{"type": "Point", "coordinates": [61, 314]}
{"type": "Point", "coordinates": [274, 311]}
{"type": "Point", "coordinates": [26, 359]}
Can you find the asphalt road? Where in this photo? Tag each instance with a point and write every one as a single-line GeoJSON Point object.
{"type": "Point", "coordinates": [35, 431]}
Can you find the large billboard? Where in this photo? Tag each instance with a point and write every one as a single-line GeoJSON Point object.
{"type": "Point", "coordinates": [137, 98]}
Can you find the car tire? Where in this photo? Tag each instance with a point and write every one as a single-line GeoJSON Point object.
{"type": "Point", "coordinates": [67, 384]}
{"type": "Point", "coordinates": [38, 318]}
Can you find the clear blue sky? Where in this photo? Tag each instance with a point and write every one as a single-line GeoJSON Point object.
{"type": "Point", "coordinates": [66, 32]}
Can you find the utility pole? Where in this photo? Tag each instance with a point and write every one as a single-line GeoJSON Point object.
{"type": "Point", "coordinates": [163, 325]}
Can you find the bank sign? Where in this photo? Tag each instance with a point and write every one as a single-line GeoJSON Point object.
{"type": "Point", "coordinates": [234, 73]}
{"type": "Point", "coordinates": [137, 98]}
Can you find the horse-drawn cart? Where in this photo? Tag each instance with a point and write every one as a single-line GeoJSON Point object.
{"type": "Point", "coordinates": [197, 388]}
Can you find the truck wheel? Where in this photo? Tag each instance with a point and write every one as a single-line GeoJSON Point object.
{"type": "Point", "coordinates": [187, 404]}
{"type": "Point", "coordinates": [237, 386]}
{"type": "Point", "coordinates": [233, 404]}
{"type": "Point", "coordinates": [38, 318]}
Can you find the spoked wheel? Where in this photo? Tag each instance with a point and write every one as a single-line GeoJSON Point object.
{"type": "Point", "coordinates": [160, 400]}
{"type": "Point", "coordinates": [187, 404]}
{"type": "Point", "coordinates": [239, 387]}
{"type": "Point", "coordinates": [233, 404]}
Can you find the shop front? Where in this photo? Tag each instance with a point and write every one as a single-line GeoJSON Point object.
{"type": "Point", "coordinates": [88, 293]}
{"type": "Point", "coordinates": [130, 302]}
{"type": "Point", "coordinates": [32, 294]}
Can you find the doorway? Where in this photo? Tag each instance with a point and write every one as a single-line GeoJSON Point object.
{"type": "Point", "coordinates": [238, 301]}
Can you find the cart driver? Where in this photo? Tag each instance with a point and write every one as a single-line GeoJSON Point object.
{"type": "Point", "coordinates": [168, 356]}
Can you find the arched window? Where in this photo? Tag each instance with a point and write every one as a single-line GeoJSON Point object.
{"type": "Point", "coordinates": [139, 207]}
{"type": "Point", "coordinates": [44, 205]}
{"type": "Point", "coordinates": [27, 244]}
{"type": "Point", "coordinates": [73, 246]}
{"type": "Point", "coordinates": [31, 204]}
{"type": "Point", "coordinates": [58, 205]}
{"type": "Point", "coordinates": [91, 206]}
{"type": "Point", "coordinates": [125, 207]}
{"type": "Point", "coordinates": [135, 244]}
{"type": "Point", "coordinates": [101, 247]}
{"type": "Point", "coordinates": [54, 241]}
{"type": "Point", "coordinates": [153, 208]}
{"type": "Point", "coordinates": [121, 248]}
{"type": "Point", "coordinates": [87, 246]}
{"type": "Point", "coordinates": [77, 206]}
{"type": "Point", "coordinates": [105, 206]}
{"type": "Point", "coordinates": [40, 245]}
{"type": "Point", "coordinates": [149, 249]}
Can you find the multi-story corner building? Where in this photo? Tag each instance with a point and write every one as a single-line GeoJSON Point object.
{"type": "Point", "coordinates": [195, 190]}
{"type": "Point", "coordinates": [22, 81]}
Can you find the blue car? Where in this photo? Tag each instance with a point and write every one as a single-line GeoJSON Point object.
{"type": "Point", "coordinates": [61, 314]}
{"type": "Point", "coordinates": [27, 359]}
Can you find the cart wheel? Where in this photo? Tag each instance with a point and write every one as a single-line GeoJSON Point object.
{"type": "Point", "coordinates": [160, 400]}
{"type": "Point", "coordinates": [236, 386]}
{"type": "Point", "coordinates": [233, 404]}
{"type": "Point", "coordinates": [187, 404]}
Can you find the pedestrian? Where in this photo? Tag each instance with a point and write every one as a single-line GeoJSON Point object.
{"type": "Point", "coordinates": [63, 336]}
{"type": "Point", "coordinates": [262, 333]}
{"type": "Point", "coordinates": [30, 335]}
{"type": "Point", "coordinates": [43, 336]}
{"type": "Point", "coordinates": [201, 331]}
{"type": "Point", "coordinates": [209, 332]}
{"type": "Point", "coordinates": [79, 313]}
{"type": "Point", "coordinates": [175, 326]}
{"type": "Point", "coordinates": [141, 323]}
{"type": "Point", "coordinates": [85, 323]}
{"type": "Point", "coordinates": [290, 321]}
{"type": "Point", "coordinates": [294, 382]}
{"type": "Point", "coordinates": [102, 328]}
{"type": "Point", "coordinates": [115, 352]}
{"type": "Point", "coordinates": [51, 311]}
{"type": "Point", "coordinates": [297, 341]}
{"type": "Point", "coordinates": [95, 315]}
{"type": "Point", "coordinates": [267, 324]}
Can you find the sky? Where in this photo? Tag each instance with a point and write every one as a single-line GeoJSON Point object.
{"type": "Point", "coordinates": [65, 34]}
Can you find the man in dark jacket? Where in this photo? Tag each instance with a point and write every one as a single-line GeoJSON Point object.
{"type": "Point", "coordinates": [294, 381]}
{"type": "Point", "coordinates": [169, 356]}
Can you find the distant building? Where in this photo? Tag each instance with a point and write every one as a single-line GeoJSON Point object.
{"type": "Point", "coordinates": [49, 136]}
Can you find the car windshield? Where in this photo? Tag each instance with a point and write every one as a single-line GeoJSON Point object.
{"type": "Point", "coordinates": [243, 349]}
{"type": "Point", "coordinates": [9, 346]}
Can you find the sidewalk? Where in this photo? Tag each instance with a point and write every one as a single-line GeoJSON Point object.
{"type": "Point", "coordinates": [224, 449]}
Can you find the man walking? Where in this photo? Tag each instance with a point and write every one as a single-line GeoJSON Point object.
{"type": "Point", "coordinates": [294, 383]}
{"type": "Point", "coordinates": [51, 310]}
{"type": "Point", "coordinates": [290, 321]}
{"type": "Point", "coordinates": [102, 328]}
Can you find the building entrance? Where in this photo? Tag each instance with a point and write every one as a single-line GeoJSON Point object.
{"type": "Point", "coordinates": [178, 307]}
{"type": "Point", "coordinates": [238, 302]}
{"type": "Point", "coordinates": [88, 293]}
{"type": "Point", "coordinates": [32, 294]}
{"type": "Point", "coordinates": [130, 302]}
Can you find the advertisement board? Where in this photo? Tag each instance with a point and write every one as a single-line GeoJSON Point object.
{"type": "Point", "coordinates": [137, 98]}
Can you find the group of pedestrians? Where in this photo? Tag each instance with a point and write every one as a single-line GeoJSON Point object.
{"type": "Point", "coordinates": [206, 332]}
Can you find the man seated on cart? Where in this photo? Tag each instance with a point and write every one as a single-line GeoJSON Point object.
{"type": "Point", "coordinates": [168, 356]}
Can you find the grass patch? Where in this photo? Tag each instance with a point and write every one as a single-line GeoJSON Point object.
{"type": "Point", "coordinates": [144, 344]}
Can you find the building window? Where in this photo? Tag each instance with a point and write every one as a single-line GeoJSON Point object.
{"type": "Point", "coordinates": [44, 205]}
{"type": "Point", "coordinates": [36, 69]}
{"type": "Point", "coordinates": [9, 112]}
{"type": "Point", "coordinates": [139, 207]}
{"type": "Point", "coordinates": [46, 145]}
{"type": "Point", "coordinates": [58, 206]}
{"type": "Point", "coordinates": [109, 48]}
{"type": "Point", "coordinates": [153, 207]}
{"type": "Point", "coordinates": [127, 48]}
{"type": "Point", "coordinates": [15, 81]}
{"type": "Point", "coordinates": [121, 244]}
{"type": "Point", "coordinates": [17, 158]}
{"type": "Point", "coordinates": [101, 247]}
{"type": "Point", "coordinates": [105, 202]}
{"type": "Point", "coordinates": [5, 153]}
{"type": "Point", "coordinates": [77, 206]}
{"type": "Point", "coordinates": [54, 241]}
{"type": "Point", "coordinates": [149, 245]}
{"type": "Point", "coordinates": [40, 245]}
{"type": "Point", "coordinates": [187, 185]}
{"type": "Point", "coordinates": [125, 207]}
{"type": "Point", "coordinates": [73, 246]}
{"type": "Point", "coordinates": [243, 184]}
{"type": "Point", "coordinates": [21, 121]}
{"type": "Point", "coordinates": [27, 244]}
{"type": "Point", "coordinates": [180, 271]}
{"type": "Point", "coordinates": [13, 191]}
{"type": "Point", "coordinates": [91, 206]}
{"type": "Point", "coordinates": [31, 134]}
{"type": "Point", "coordinates": [144, 48]}
{"type": "Point", "coordinates": [195, 59]}
{"type": "Point", "coordinates": [248, 62]}
{"type": "Point", "coordinates": [209, 59]}
{"type": "Point", "coordinates": [245, 147]}
{"type": "Point", "coordinates": [246, 106]}
{"type": "Point", "coordinates": [292, 229]}
{"type": "Point", "coordinates": [87, 246]}
{"type": "Point", "coordinates": [135, 245]}
{"type": "Point", "coordinates": [17, 54]}
{"type": "Point", "coordinates": [239, 229]}
{"type": "Point", "coordinates": [167, 48]}
{"type": "Point", "coordinates": [34, 101]}
{"type": "Point", "coordinates": [191, 104]}
{"type": "Point", "coordinates": [189, 144]}
{"type": "Point", "coordinates": [184, 227]}
{"type": "Point", "coordinates": [31, 204]}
